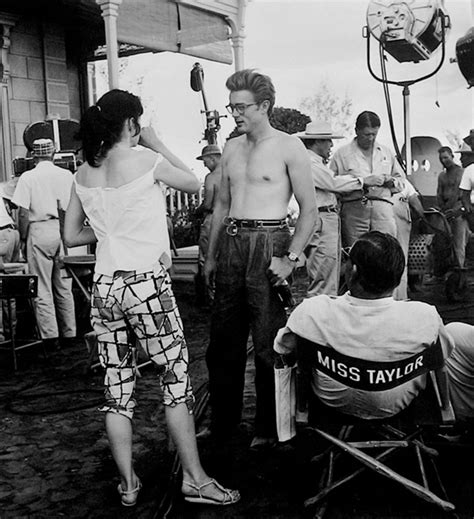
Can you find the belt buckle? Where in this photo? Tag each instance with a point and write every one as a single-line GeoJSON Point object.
{"type": "Point", "coordinates": [258, 224]}
{"type": "Point", "coordinates": [230, 226]}
{"type": "Point", "coordinates": [232, 229]}
{"type": "Point", "coordinates": [364, 200]}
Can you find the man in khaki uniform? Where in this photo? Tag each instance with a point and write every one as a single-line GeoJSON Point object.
{"type": "Point", "coordinates": [37, 194]}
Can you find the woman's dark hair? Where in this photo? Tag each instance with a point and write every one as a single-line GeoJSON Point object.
{"type": "Point", "coordinates": [379, 260]}
{"type": "Point", "coordinates": [367, 120]}
{"type": "Point", "coordinates": [102, 124]}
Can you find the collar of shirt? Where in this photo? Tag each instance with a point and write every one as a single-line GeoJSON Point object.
{"type": "Point", "coordinates": [357, 301]}
{"type": "Point", "coordinates": [316, 158]}
{"type": "Point", "coordinates": [377, 148]}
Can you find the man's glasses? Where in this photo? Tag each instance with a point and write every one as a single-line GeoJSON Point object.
{"type": "Point", "coordinates": [240, 107]}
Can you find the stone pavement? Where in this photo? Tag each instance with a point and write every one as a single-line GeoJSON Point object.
{"type": "Point", "coordinates": [55, 461]}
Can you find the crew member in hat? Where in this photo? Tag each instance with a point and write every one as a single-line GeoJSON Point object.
{"type": "Point", "coordinates": [466, 185]}
{"type": "Point", "coordinates": [37, 195]}
{"type": "Point", "coordinates": [323, 252]}
{"type": "Point", "coordinates": [211, 156]}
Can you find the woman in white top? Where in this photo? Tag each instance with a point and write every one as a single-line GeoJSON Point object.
{"type": "Point", "coordinates": [118, 190]}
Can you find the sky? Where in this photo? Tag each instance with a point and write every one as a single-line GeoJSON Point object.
{"type": "Point", "coordinates": [301, 44]}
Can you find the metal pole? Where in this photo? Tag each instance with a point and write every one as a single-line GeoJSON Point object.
{"type": "Point", "coordinates": [406, 118]}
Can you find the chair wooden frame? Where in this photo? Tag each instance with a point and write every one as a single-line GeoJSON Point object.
{"type": "Point", "coordinates": [401, 431]}
{"type": "Point", "coordinates": [21, 286]}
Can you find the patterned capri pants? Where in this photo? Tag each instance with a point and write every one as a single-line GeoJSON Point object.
{"type": "Point", "coordinates": [133, 306]}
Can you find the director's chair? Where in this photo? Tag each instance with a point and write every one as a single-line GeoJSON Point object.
{"type": "Point", "coordinates": [372, 442]}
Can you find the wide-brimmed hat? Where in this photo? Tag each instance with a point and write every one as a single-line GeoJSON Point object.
{"type": "Point", "coordinates": [43, 148]}
{"type": "Point", "coordinates": [465, 148]}
{"type": "Point", "coordinates": [210, 149]}
{"type": "Point", "coordinates": [318, 130]}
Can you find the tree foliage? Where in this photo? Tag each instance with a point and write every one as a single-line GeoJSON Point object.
{"type": "Point", "coordinates": [325, 106]}
{"type": "Point", "coordinates": [454, 138]}
{"type": "Point", "coordinates": [289, 120]}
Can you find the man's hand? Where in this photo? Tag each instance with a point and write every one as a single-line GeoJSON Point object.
{"type": "Point", "coordinates": [374, 180]}
{"type": "Point", "coordinates": [209, 271]}
{"type": "Point", "coordinates": [279, 270]}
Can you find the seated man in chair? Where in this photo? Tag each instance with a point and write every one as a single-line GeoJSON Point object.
{"type": "Point", "coordinates": [367, 323]}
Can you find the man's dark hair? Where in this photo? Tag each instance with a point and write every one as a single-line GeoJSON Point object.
{"type": "Point", "coordinates": [447, 149]}
{"type": "Point", "coordinates": [379, 260]}
{"type": "Point", "coordinates": [260, 85]}
{"type": "Point", "coordinates": [367, 120]}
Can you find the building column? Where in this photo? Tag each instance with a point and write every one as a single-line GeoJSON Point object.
{"type": "Point", "coordinates": [237, 34]}
{"type": "Point", "coordinates": [6, 167]}
{"type": "Point", "coordinates": [110, 14]}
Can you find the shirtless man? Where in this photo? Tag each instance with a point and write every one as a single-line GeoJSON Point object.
{"type": "Point", "coordinates": [251, 252]}
{"type": "Point", "coordinates": [449, 201]}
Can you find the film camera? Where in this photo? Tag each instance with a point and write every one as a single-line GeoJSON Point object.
{"type": "Point", "coordinates": [62, 132]}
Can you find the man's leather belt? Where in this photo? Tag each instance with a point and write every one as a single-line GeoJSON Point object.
{"type": "Point", "coordinates": [365, 199]}
{"type": "Point", "coordinates": [9, 226]}
{"type": "Point", "coordinates": [255, 224]}
{"type": "Point", "coordinates": [328, 209]}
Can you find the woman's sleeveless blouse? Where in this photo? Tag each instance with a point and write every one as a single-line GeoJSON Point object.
{"type": "Point", "coordinates": [129, 222]}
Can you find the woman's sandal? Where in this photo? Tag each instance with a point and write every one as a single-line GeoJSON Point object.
{"type": "Point", "coordinates": [229, 497]}
{"type": "Point", "coordinates": [129, 497]}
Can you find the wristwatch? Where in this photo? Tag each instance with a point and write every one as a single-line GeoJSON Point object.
{"type": "Point", "coordinates": [292, 256]}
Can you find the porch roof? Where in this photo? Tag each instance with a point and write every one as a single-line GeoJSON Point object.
{"type": "Point", "coordinates": [142, 26]}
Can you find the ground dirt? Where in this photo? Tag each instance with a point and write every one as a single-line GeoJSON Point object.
{"type": "Point", "coordinates": [55, 461]}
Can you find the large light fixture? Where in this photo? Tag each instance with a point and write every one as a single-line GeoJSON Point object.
{"type": "Point", "coordinates": [409, 30]}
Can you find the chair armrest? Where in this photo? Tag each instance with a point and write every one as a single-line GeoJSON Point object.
{"type": "Point", "coordinates": [303, 387]}
{"type": "Point", "coordinates": [441, 387]}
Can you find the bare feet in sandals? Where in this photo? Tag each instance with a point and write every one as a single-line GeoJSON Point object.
{"type": "Point", "coordinates": [129, 497]}
{"type": "Point", "coordinates": [209, 493]}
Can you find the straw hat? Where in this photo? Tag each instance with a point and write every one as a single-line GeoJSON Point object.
{"type": "Point", "coordinates": [318, 130]}
{"type": "Point", "coordinates": [210, 149]}
{"type": "Point", "coordinates": [43, 148]}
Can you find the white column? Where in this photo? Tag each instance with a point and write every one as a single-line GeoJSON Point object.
{"type": "Point", "coordinates": [237, 34]}
{"type": "Point", "coordinates": [5, 26]}
{"type": "Point", "coordinates": [109, 14]}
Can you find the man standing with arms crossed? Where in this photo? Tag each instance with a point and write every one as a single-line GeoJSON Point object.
{"type": "Point", "coordinates": [368, 209]}
{"type": "Point", "coordinates": [251, 253]}
{"type": "Point", "coordinates": [324, 249]}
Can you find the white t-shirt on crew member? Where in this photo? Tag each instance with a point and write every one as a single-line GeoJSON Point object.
{"type": "Point", "coordinates": [467, 181]}
{"type": "Point", "coordinates": [40, 188]}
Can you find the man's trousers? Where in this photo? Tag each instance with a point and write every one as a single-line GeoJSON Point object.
{"type": "Point", "coordinates": [245, 301]}
{"type": "Point", "coordinates": [54, 306]}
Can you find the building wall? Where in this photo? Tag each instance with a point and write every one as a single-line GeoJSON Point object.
{"type": "Point", "coordinates": [44, 82]}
